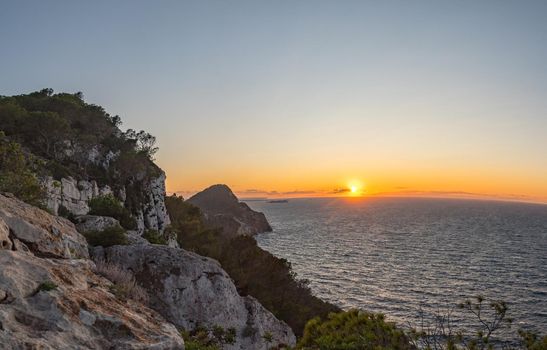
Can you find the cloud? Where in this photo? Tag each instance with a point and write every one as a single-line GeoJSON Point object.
{"type": "Point", "coordinates": [339, 190]}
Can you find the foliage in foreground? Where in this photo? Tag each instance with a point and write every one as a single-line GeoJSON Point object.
{"type": "Point", "coordinates": [255, 271]}
{"type": "Point", "coordinates": [17, 173]}
{"type": "Point", "coordinates": [111, 236]}
{"type": "Point", "coordinates": [353, 330]}
{"type": "Point", "coordinates": [491, 319]}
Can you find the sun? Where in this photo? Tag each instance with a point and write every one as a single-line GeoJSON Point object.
{"type": "Point", "coordinates": [353, 189]}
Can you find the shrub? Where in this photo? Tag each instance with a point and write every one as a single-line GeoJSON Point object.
{"type": "Point", "coordinates": [353, 330]}
{"type": "Point", "coordinates": [124, 284]}
{"type": "Point", "coordinates": [111, 236]}
{"type": "Point", "coordinates": [202, 338]}
{"type": "Point", "coordinates": [108, 205]}
{"type": "Point", "coordinates": [17, 174]}
{"type": "Point", "coordinates": [65, 213]}
{"type": "Point", "coordinates": [154, 237]}
{"type": "Point", "coordinates": [47, 286]}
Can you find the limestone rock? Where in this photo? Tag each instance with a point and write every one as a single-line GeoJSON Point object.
{"type": "Point", "coordinates": [43, 233]}
{"type": "Point", "coordinates": [86, 223]}
{"type": "Point", "coordinates": [78, 313]}
{"type": "Point", "coordinates": [153, 213]}
{"type": "Point", "coordinates": [190, 290]}
{"type": "Point", "coordinates": [221, 208]}
{"type": "Point", "coordinates": [71, 194]}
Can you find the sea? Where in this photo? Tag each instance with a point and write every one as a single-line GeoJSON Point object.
{"type": "Point", "coordinates": [413, 259]}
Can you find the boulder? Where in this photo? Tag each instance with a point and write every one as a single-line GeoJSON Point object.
{"type": "Point", "coordinates": [222, 209]}
{"type": "Point", "coordinates": [74, 310]}
{"type": "Point", "coordinates": [86, 223]}
{"type": "Point", "coordinates": [44, 234]}
{"type": "Point", "coordinates": [191, 290]}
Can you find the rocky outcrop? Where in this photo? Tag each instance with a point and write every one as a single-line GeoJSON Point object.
{"type": "Point", "coordinates": [190, 290]}
{"type": "Point", "coordinates": [45, 235]}
{"type": "Point", "coordinates": [72, 194]}
{"type": "Point", "coordinates": [75, 311]}
{"type": "Point", "coordinates": [222, 209]}
{"type": "Point", "coordinates": [50, 297]}
{"type": "Point", "coordinates": [153, 213]}
{"type": "Point", "coordinates": [87, 223]}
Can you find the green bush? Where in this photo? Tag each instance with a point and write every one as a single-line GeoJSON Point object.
{"type": "Point", "coordinates": [47, 286]}
{"type": "Point", "coordinates": [108, 205]}
{"type": "Point", "coordinates": [154, 237]}
{"type": "Point", "coordinates": [111, 236]}
{"type": "Point", "coordinates": [352, 330]}
{"type": "Point", "coordinates": [17, 173]}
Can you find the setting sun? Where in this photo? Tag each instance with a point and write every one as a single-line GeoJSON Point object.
{"type": "Point", "coordinates": [353, 189]}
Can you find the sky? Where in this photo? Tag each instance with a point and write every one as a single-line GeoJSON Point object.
{"type": "Point", "coordinates": [306, 98]}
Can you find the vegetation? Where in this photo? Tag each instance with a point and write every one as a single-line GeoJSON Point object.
{"type": "Point", "coordinates": [18, 173]}
{"type": "Point", "coordinates": [491, 319]}
{"type": "Point", "coordinates": [47, 286]}
{"type": "Point", "coordinates": [108, 205]}
{"type": "Point", "coordinates": [254, 271]}
{"type": "Point", "coordinates": [72, 138]}
{"type": "Point", "coordinates": [353, 330]}
{"type": "Point", "coordinates": [111, 236]}
{"type": "Point", "coordinates": [154, 237]}
{"type": "Point", "coordinates": [124, 286]}
{"type": "Point", "coordinates": [208, 339]}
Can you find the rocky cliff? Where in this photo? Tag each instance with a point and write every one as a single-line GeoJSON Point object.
{"type": "Point", "coordinates": [190, 290]}
{"type": "Point", "coordinates": [74, 196]}
{"type": "Point", "coordinates": [222, 209]}
{"type": "Point", "coordinates": [51, 296]}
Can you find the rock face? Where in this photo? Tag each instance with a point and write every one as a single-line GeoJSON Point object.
{"type": "Point", "coordinates": [153, 213]}
{"type": "Point", "coordinates": [45, 235]}
{"type": "Point", "coordinates": [50, 298]}
{"type": "Point", "coordinates": [74, 195]}
{"type": "Point", "coordinates": [80, 313]}
{"type": "Point", "coordinates": [221, 208]}
{"type": "Point", "coordinates": [190, 290]}
{"type": "Point", "coordinates": [86, 223]}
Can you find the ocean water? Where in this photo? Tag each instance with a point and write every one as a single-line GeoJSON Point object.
{"type": "Point", "coordinates": [407, 256]}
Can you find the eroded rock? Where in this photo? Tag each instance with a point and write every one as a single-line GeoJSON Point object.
{"type": "Point", "coordinates": [44, 234]}
{"type": "Point", "coordinates": [77, 311]}
{"type": "Point", "coordinates": [190, 290]}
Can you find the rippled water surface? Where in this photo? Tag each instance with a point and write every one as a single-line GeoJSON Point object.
{"type": "Point", "coordinates": [395, 255]}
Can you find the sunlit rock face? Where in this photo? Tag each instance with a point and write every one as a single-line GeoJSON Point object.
{"type": "Point", "coordinates": [222, 209]}
{"type": "Point", "coordinates": [50, 297]}
{"type": "Point", "coordinates": [191, 290]}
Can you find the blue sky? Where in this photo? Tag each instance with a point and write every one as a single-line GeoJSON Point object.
{"type": "Point", "coordinates": [305, 95]}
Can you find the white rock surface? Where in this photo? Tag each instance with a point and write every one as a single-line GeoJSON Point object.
{"type": "Point", "coordinates": [42, 233]}
{"type": "Point", "coordinates": [190, 290]}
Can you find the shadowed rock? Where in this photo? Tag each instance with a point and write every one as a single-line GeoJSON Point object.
{"type": "Point", "coordinates": [222, 209]}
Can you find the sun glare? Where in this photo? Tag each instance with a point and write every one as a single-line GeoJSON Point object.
{"type": "Point", "coordinates": [353, 189]}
